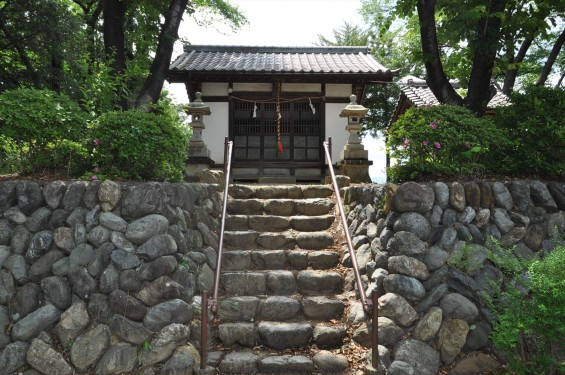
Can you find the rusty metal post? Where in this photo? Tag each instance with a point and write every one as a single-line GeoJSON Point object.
{"type": "Point", "coordinates": [226, 140]}
{"type": "Point", "coordinates": [360, 287]}
{"type": "Point", "coordinates": [375, 330]}
{"type": "Point", "coordinates": [204, 331]}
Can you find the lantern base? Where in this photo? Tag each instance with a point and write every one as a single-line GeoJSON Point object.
{"type": "Point", "coordinates": [195, 166]}
{"type": "Point", "coordinates": [356, 169]}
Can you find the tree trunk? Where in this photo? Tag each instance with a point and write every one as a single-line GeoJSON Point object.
{"type": "Point", "coordinates": [436, 78]}
{"type": "Point", "coordinates": [511, 74]}
{"type": "Point", "coordinates": [153, 85]}
{"type": "Point", "coordinates": [484, 54]}
{"type": "Point", "coordinates": [114, 12]}
{"type": "Point", "coordinates": [551, 59]}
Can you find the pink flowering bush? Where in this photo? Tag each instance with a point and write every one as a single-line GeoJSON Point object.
{"type": "Point", "coordinates": [439, 142]}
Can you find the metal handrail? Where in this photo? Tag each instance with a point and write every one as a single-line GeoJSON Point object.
{"type": "Point", "coordinates": [227, 168]}
{"type": "Point", "coordinates": [367, 303]}
{"type": "Point", "coordinates": [213, 302]}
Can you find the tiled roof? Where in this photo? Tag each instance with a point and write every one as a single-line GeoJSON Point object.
{"type": "Point", "coordinates": [499, 100]}
{"type": "Point", "coordinates": [281, 60]}
{"type": "Point", "coordinates": [419, 94]}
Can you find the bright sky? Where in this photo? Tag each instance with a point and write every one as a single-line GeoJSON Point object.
{"type": "Point", "coordinates": [280, 23]}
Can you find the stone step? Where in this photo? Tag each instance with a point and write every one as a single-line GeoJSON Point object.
{"type": "Point", "coordinates": [241, 260]}
{"type": "Point", "coordinates": [274, 335]}
{"type": "Point", "coordinates": [251, 362]}
{"type": "Point", "coordinates": [279, 308]}
{"type": "Point", "coordinates": [272, 223]}
{"type": "Point", "coordinates": [281, 282]}
{"type": "Point", "coordinates": [274, 192]}
{"type": "Point", "coordinates": [278, 287]}
{"type": "Point", "coordinates": [280, 207]}
{"type": "Point", "coordinates": [261, 361]}
{"type": "Point", "coordinates": [250, 239]}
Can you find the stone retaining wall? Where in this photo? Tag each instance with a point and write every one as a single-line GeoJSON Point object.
{"type": "Point", "coordinates": [432, 313]}
{"type": "Point", "coordinates": [104, 277]}
{"type": "Point", "coordinates": [101, 277]}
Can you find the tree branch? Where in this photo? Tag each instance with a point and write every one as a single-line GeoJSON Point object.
{"type": "Point", "coordinates": [560, 80]}
{"type": "Point", "coordinates": [511, 74]}
{"type": "Point", "coordinates": [436, 78]}
{"type": "Point", "coordinates": [551, 59]}
{"type": "Point", "coordinates": [153, 85]}
{"type": "Point", "coordinates": [23, 56]}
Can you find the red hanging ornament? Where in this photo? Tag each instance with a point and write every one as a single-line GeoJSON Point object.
{"type": "Point", "coordinates": [279, 119]}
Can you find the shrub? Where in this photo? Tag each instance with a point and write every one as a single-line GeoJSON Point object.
{"type": "Point", "coordinates": [530, 329]}
{"type": "Point", "coordinates": [9, 158]}
{"type": "Point", "coordinates": [440, 141]}
{"type": "Point", "coordinates": [536, 133]}
{"type": "Point", "coordinates": [138, 145]}
{"type": "Point", "coordinates": [38, 124]}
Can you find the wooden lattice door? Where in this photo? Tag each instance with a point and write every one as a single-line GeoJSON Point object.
{"type": "Point", "coordinates": [255, 138]}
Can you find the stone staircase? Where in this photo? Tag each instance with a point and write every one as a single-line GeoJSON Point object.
{"type": "Point", "coordinates": [281, 307]}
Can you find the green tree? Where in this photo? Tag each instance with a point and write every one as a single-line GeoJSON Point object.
{"type": "Point", "coordinates": [475, 41]}
{"type": "Point", "coordinates": [379, 98]}
{"type": "Point", "coordinates": [346, 35]}
{"type": "Point", "coordinates": [40, 45]}
{"type": "Point", "coordinates": [108, 53]}
{"type": "Point", "coordinates": [121, 20]}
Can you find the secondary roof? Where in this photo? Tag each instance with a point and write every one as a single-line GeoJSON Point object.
{"type": "Point", "coordinates": [419, 94]}
{"type": "Point", "coordinates": [414, 92]}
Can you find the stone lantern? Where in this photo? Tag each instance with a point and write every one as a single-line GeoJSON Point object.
{"type": "Point", "coordinates": [198, 153]}
{"type": "Point", "coordinates": [354, 159]}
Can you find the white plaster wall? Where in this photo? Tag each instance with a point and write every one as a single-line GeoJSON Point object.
{"type": "Point", "coordinates": [338, 90]}
{"type": "Point", "coordinates": [216, 130]}
{"type": "Point", "coordinates": [253, 87]}
{"type": "Point", "coordinates": [335, 128]}
{"type": "Point", "coordinates": [301, 87]}
{"type": "Point", "coordinates": [214, 89]}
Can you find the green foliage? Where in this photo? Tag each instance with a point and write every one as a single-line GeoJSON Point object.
{"type": "Point", "coordinates": [529, 30]}
{"type": "Point", "coordinates": [504, 259]}
{"type": "Point", "coordinates": [537, 318]}
{"type": "Point", "coordinates": [381, 101]}
{"type": "Point", "coordinates": [98, 89]}
{"type": "Point", "coordinates": [40, 41]}
{"type": "Point", "coordinates": [535, 132]}
{"type": "Point", "coordinates": [346, 35]}
{"type": "Point", "coordinates": [42, 127]}
{"type": "Point", "coordinates": [464, 258]}
{"type": "Point", "coordinates": [440, 142]}
{"type": "Point", "coordinates": [9, 158]}
{"type": "Point", "coordinates": [139, 145]}
{"type": "Point", "coordinates": [59, 44]}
